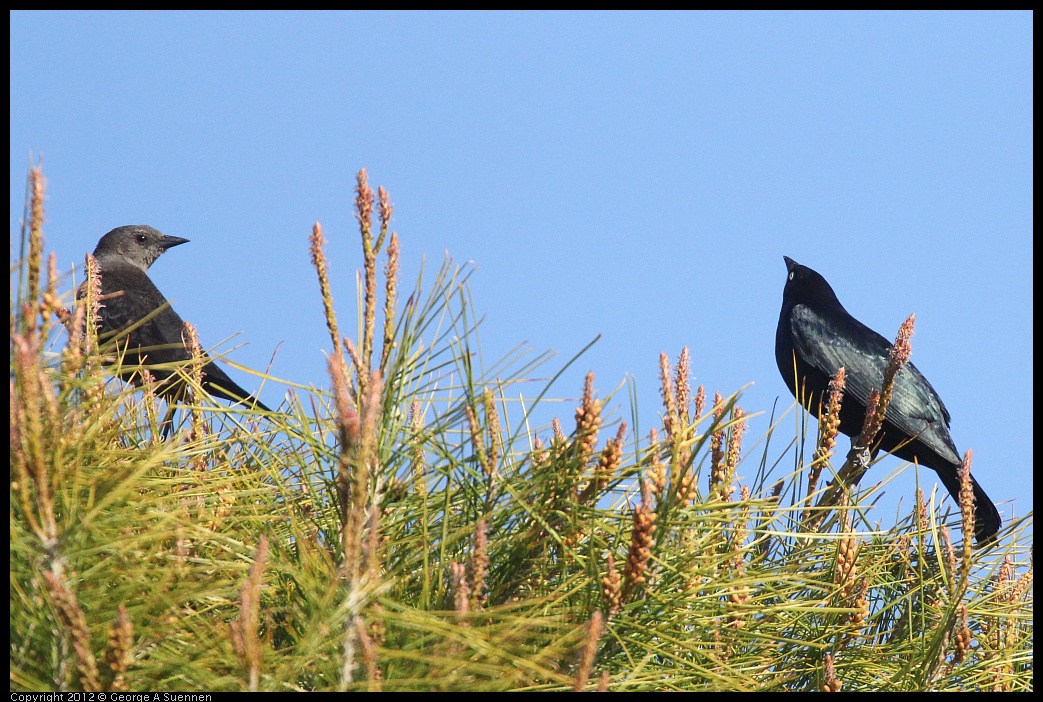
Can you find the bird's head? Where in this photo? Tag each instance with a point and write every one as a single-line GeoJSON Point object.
{"type": "Point", "coordinates": [805, 286]}
{"type": "Point", "coordinates": [138, 245]}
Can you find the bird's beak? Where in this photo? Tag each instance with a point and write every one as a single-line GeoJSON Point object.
{"type": "Point", "coordinates": [789, 262]}
{"type": "Point", "coordinates": [168, 242]}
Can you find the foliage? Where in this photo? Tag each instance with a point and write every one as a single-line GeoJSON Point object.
{"type": "Point", "coordinates": [414, 530]}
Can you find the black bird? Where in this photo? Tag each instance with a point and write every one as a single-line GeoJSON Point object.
{"type": "Point", "coordinates": [820, 336]}
{"type": "Point", "coordinates": [129, 296]}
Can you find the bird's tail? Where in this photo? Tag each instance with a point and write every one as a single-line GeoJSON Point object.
{"type": "Point", "coordinates": [987, 520]}
{"type": "Point", "coordinates": [239, 398]}
{"type": "Point", "coordinates": [253, 402]}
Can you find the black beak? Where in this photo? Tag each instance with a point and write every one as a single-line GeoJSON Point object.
{"type": "Point", "coordinates": [168, 242]}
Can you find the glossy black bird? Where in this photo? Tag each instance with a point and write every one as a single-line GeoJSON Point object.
{"type": "Point", "coordinates": [818, 334]}
{"type": "Point", "coordinates": [123, 257]}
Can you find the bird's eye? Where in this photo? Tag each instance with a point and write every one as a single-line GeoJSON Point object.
{"type": "Point", "coordinates": [791, 275]}
{"type": "Point", "coordinates": [141, 238]}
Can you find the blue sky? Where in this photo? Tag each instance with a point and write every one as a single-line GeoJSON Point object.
{"type": "Point", "coordinates": [635, 175]}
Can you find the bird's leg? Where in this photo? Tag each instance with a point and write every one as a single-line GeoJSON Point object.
{"type": "Point", "coordinates": [858, 458]}
{"type": "Point", "coordinates": [168, 422]}
{"type": "Point", "coordinates": [856, 465]}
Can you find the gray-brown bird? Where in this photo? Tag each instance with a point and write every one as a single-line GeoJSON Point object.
{"type": "Point", "coordinates": [129, 296]}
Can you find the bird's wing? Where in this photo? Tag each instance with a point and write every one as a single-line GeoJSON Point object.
{"type": "Point", "coordinates": [827, 343]}
{"type": "Point", "coordinates": [134, 298]}
{"type": "Point", "coordinates": [159, 337]}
